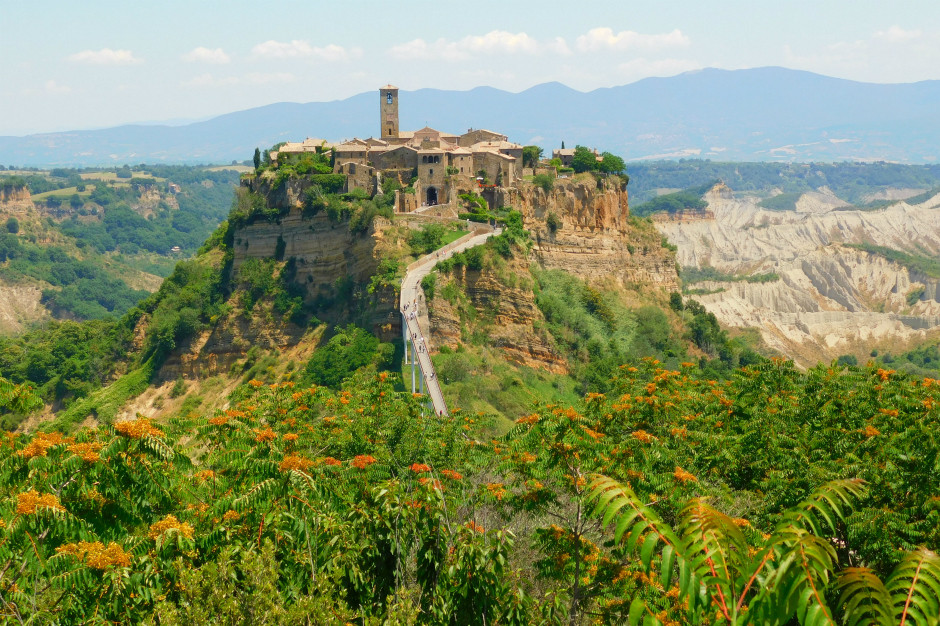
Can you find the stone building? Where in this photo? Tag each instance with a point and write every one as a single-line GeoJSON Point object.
{"type": "Point", "coordinates": [434, 159]}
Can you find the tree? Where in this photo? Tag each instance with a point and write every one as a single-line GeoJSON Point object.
{"type": "Point", "coordinates": [257, 158]}
{"type": "Point", "coordinates": [531, 156]}
{"type": "Point", "coordinates": [584, 160]}
{"type": "Point", "coordinates": [611, 163]}
{"type": "Point", "coordinates": [13, 225]}
{"type": "Point", "coordinates": [784, 575]}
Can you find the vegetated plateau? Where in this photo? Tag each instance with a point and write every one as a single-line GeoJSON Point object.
{"type": "Point", "coordinates": [612, 454]}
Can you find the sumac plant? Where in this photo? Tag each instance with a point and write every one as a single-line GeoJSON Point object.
{"type": "Point", "coordinates": [776, 496]}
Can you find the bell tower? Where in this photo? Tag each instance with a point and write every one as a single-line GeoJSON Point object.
{"type": "Point", "coordinates": [388, 111]}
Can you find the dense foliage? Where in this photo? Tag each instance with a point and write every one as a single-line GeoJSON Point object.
{"type": "Point", "coordinates": [352, 505]}
{"type": "Point", "coordinates": [66, 359]}
{"type": "Point", "coordinates": [203, 202]}
{"type": "Point", "coordinates": [83, 289]}
{"type": "Point", "coordinates": [676, 202]}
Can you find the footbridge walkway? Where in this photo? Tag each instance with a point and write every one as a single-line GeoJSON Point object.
{"type": "Point", "coordinates": [414, 311]}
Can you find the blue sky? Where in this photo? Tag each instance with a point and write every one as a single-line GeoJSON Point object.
{"type": "Point", "coordinates": [68, 65]}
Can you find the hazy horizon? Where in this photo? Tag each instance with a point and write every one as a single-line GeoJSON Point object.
{"type": "Point", "coordinates": [193, 61]}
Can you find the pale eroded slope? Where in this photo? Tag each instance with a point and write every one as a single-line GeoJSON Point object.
{"type": "Point", "coordinates": [830, 299]}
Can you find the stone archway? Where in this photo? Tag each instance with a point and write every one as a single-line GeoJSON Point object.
{"type": "Point", "coordinates": [432, 196]}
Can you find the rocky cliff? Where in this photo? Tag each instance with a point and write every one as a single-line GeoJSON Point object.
{"type": "Point", "coordinates": [830, 299]}
{"type": "Point", "coordinates": [592, 234]}
{"type": "Point", "coordinates": [503, 304]}
{"type": "Point", "coordinates": [14, 198]}
{"type": "Point", "coordinates": [324, 250]}
{"type": "Point", "coordinates": [579, 226]}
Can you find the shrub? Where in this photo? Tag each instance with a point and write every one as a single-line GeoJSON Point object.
{"type": "Point", "coordinates": [428, 283]}
{"type": "Point", "coordinates": [553, 222]}
{"type": "Point", "coordinates": [348, 350]}
{"type": "Point", "coordinates": [13, 225]}
{"type": "Point", "coordinates": [545, 182]}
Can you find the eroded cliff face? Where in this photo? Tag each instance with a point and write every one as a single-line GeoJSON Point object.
{"type": "Point", "coordinates": [830, 299]}
{"type": "Point", "coordinates": [504, 308]}
{"type": "Point", "coordinates": [15, 199]}
{"type": "Point", "coordinates": [594, 236]}
{"type": "Point", "coordinates": [323, 250]}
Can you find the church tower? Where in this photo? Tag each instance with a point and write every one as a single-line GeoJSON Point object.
{"type": "Point", "coordinates": [388, 111]}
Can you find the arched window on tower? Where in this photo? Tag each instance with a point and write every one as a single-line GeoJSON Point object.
{"type": "Point", "coordinates": [388, 98]}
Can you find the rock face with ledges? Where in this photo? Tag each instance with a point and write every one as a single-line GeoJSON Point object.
{"type": "Point", "coordinates": [830, 299]}
{"type": "Point", "coordinates": [596, 238]}
{"type": "Point", "coordinates": [509, 314]}
{"type": "Point", "coordinates": [323, 251]}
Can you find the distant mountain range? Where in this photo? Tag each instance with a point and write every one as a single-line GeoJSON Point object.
{"type": "Point", "coordinates": [763, 114]}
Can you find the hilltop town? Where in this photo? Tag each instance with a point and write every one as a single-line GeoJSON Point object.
{"type": "Point", "coordinates": [436, 165]}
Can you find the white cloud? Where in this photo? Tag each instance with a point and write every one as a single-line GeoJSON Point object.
{"type": "Point", "coordinates": [896, 34]}
{"type": "Point", "coordinates": [499, 41]}
{"type": "Point", "coordinates": [215, 56]}
{"type": "Point", "coordinates": [558, 45]}
{"type": "Point", "coordinates": [105, 56]}
{"type": "Point", "coordinates": [299, 49]}
{"type": "Point", "coordinates": [604, 38]}
{"type": "Point", "coordinates": [54, 88]}
{"type": "Point", "coordinates": [493, 42]}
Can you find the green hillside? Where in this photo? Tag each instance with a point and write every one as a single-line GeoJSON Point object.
{"type": "Point", "coordinates": [662, 471]}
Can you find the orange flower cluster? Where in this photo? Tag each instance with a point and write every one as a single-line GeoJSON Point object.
{"type": "Point", "coordinates": [889, 412]}
{"type": "Point", "coordinates": [678, 432]}
{"type": "Point", "coordinates": [95, 555]}
{"type": "Point", "coordinates": [435, 484]}
{"type": "Point", "coordinates": [884, 374]}
{"type": "Point", "coordinates": [295, 462]}
{"type": "Point", "coordinates": [170, 523]}
{"type": "Point", "coordinates": [230, 515]}
{"type": "Point", "coordinates": [290, 437]}
{"type": "Point", "coordinates": [496, 490]}
{"type": "Point", "coordinates": [28, 502]}
{"type": "Point", "coordinates": [527, 457]}
{"type": "Point", "coordinates": [219, 420]}
{"type": "Point", "coordinates": [593, 434]}
{"type": "Point", "coordinates": [254, 382]}
{"type": "Point", "coordinates": [528, 419]}
{"type": "Point", "coordinates": [420, 468]}
{"type": "Point", "coordinates": [330, 461]}
{"type": "Point", "coordinates": [138, 429]}
{"type": "Point", "coordinates": [740, 522]}
{"type": "Point", "coordinates": [86, 451]}
{"type": "Point", "coordinates": [204, 475]}
{"type": "Point", "coordinates": [451, 474]}
{"type": "Point", "coordinates": [265, 435]}
{"type": "Point", "coordinates": [643, 437]}
{"type": "Point", "coordinates": [41, 443]}
{"type": "Point", "coordinates": [474, 527]}
{"type": "Point", "coordinates": [363, 461]}
{"type": "Point", "coordinates": [870, 431]}
{"type": "Point", "coordinates": [683, 476]}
